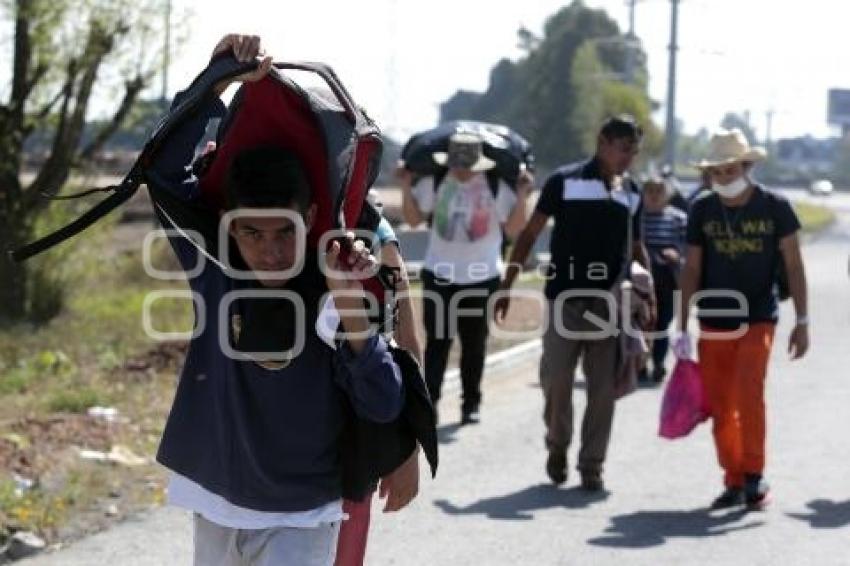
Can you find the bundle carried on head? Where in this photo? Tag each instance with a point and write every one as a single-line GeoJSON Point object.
{"type": "Point", "coordinates": [509, 152]}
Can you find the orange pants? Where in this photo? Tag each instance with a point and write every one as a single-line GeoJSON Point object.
{"type": "Point", "coordinates": [734, 372]}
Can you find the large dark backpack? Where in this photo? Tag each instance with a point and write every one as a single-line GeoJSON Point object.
{"type": "Point", "coordinates": [511, 152]}
{"type": "Point", "coordinates": [339, 145]}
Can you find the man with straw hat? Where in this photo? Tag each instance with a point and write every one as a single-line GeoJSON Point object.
{"type": "Point", "coordinates": [468, 216]}
{"type": "Point", "coordinates": [737, 236]}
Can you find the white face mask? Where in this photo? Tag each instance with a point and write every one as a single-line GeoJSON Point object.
{"type": "Point", "coordinates": [733, 189]}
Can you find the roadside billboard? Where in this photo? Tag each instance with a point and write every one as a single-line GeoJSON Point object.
{"type": "Point", "coordinates": [838, 109]}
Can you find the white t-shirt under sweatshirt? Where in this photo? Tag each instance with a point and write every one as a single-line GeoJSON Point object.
{"type": "Point", "coordinates": [189, 495]}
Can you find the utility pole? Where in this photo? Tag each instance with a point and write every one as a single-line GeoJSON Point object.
{"type": "Point", "coordinates": [671, 127]}
{"type": "Point", "coordinates": [392, 127]}
{"type": "Point", "coordinates": [631, 44]}
{"type": "Point", "coordinates": [166, 52]}
{"type": "Point", "coordinates": [769, 135]}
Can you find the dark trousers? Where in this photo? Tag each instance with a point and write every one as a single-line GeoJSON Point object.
{"type": "Point", "coordinates": [449, 309]}
{"type": "Point", "coordinates": [665, 287]}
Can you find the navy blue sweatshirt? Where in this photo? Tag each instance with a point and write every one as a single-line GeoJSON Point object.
{"type": "Point", "coordinates": [262, 439]}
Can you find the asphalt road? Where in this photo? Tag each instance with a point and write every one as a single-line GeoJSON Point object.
{"type": "Point", "coordinates": [491, 503]}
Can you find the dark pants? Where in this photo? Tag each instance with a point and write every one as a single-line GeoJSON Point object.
{"type": "Point", "coordinates": [465, 316]}
{"type": "Point", "coordinates": [665, 287]}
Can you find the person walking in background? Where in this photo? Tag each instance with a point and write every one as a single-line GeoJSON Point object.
{"type": "Point", "coordinates": [737, 236]}
{"type": "Point", "coordinates": [663, 227]}
{"type": "Point", "coordinates": [593, 205]}
{"type": "Point", "coordinates": [702, 189]}
{"type": "Point", "coordinates": [463, 264]}
{"type": "Point", "coordinates": [675, 197]}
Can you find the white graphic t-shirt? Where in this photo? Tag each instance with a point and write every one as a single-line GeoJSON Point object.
{"type": "Point", "coordinates": [466, 227]}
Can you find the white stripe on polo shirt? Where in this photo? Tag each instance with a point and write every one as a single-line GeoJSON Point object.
{"type": "Point", "coordinates": [584, 189]}
{"type": "Point", "coordinates": [592, 189]}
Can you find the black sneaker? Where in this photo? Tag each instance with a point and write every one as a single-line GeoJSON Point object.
{"type": "Point", "coordinates": [472, 416]}
{"type": "Point", "coordinates": [731, 497]}
{"type": "Point", "coordinates": [592, 480]}
{"type": "Point", "coordinates": [756, 492]}
{"type": "Point", "coordinates": [556, 467]}
{"type": "Point", "coordinates": [658, 373]}
{"type": "Point", "coordinates": [643, 376]}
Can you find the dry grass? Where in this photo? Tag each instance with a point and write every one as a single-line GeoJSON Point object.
{"type": "Point", "coordinates": [51, 374]}
{"type": "Point", "coordinates": [814, 217]}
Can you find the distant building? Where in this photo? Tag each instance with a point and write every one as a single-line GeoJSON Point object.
{"type": "Point", "coordinates": [838, 109]}
{"type": "Point", "coordinates": [807, 156]}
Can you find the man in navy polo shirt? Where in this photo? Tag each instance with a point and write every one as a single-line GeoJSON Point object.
{"type": "Point", "coordinates": [593, 205]}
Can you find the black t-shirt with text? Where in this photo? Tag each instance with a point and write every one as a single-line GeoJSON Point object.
{"type": "Point", "coordinates": [740, 248]}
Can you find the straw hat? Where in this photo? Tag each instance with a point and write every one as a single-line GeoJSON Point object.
{"type": "Point", "coordinates": [465, 151]}
{"type": "Point", "coordinates": [730, 146]}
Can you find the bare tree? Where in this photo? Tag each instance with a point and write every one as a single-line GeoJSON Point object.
{"type": "Point", "coordinates": [62, 51]}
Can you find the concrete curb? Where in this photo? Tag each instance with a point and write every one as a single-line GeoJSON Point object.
{"type": "Point", "coordinates": [497, 362]}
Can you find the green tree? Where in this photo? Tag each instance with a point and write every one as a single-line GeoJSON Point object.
{"type": "Point", "coordinates": [622, 98]}
{"type": "Point", "coordinates": [559, 91]}
{"type": "Point", "coordinates": [600, 93]}
{"type": "Point", "coordinates": [732, 120]}
{"type": "Point", "coordinates": [62, 53]}
{"type": "Point", "coordinates": [459, 106]}
{"type": "Point", "coordinates": [588, 80]}
{"type": "Point", "coordinates": [692, 148]}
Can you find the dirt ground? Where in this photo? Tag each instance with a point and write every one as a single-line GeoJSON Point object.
{"type": "Point", "coordinates": [71, 497]}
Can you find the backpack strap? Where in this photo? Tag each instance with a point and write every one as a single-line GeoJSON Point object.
{"type": "Point", "coordinates": [439, 177]}
{"type": "Point", "coordinates": [626, 269]}
{"type": "Point", "coordinates": [783, 287]}
{"type": "Point", "coordinates": [120, 194]}
{"type": "Point", "coordinates": [630, 244]}
{"type": "Point", "coordinates": [220, 68]}
{"type": "Point", "coordinates": [493, 180]}
{"type": "Point", "coordinates": [492, 176]}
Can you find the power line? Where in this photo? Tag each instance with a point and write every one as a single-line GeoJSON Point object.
{"type": "Point", "coordinates": [630, 50]}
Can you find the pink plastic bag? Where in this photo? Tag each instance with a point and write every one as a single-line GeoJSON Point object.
{"type": "Point", "coordinates": [684, 405]}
